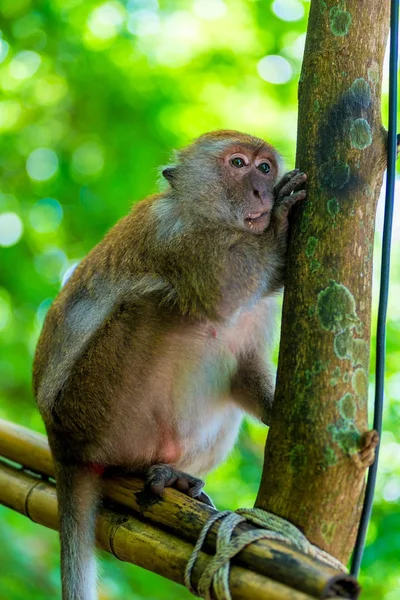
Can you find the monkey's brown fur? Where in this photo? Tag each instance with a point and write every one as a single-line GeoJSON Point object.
{"type": "Point", "coordinates": [157, 343]}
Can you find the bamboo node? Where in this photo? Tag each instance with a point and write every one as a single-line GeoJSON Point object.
{"type": "Point", "coordinates": [214, 580]}
{"type": "Point", "coordinates": [28, 497]}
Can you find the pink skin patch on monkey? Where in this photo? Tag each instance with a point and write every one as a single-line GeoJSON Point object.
{"type": "Point", "coordinates": [96, 468]}
{"type": "Point", "coordinates": [171, 452]}
{"type": "Point", "coordinates": [213, 332]}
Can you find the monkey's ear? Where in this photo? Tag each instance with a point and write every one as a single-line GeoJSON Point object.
{"type": "Point", "coordinates": [169, 173]}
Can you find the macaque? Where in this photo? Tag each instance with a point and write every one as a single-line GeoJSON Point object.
{"type": "Point", "coordinates": [156, 346]}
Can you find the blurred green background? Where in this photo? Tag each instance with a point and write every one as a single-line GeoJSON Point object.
{"type": "Point", "coordinates": [94, 95]}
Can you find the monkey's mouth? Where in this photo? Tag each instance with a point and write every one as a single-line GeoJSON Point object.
{"type": "Point", "coordinates": [255, 218]}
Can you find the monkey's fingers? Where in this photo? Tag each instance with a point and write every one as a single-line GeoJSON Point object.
{"type": "Point", "coordinates": [287, 177]}
{"type": "Point", "coordinates": [293, 184]}
{"type": "Point", "coordinates": [282, 210]}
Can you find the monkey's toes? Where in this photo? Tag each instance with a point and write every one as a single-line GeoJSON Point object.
{"type": "Point", "coordinates": [161, 476]}
{"type": "Point", "coordinates": [370, 441]}
{"type": "Point", "coordinates": [205, 499]}
{"type": "Point", "coordinates": [366, 455]}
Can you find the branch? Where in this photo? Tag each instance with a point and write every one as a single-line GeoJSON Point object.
{"type": "Point", "coordinates": [264, 569]}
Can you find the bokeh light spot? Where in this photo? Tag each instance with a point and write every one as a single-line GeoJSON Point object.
{"type": "Point", "coordinates": [4, 47]}
{"type": "Point", "coordinates": [46, 215]}
{"type": "Point", "coordinates": [50, 90]}
{"type": "Point", "coordinates": [24, 64]}
{"type": "Point", "coordinates": [139, 5]}
{"type": "Point", "coordinates": [11, 229]}
{"type": "Point", "coordinates": [295, 49]}
{"type": "Point", "coordinates": [106, 20]}
{"type": "Point", "coordinates": [274, 69]}
{"type": "Point", "coordinates": [66, 273]}
{"type": "Point", "coordinates": [88, 159]}
{"type": "Point", "coordinates": [391, 491]}
{"type": "Point", "coordinates": [209, 10]}
{"type": "Point", "coordinates": [50, 263]}
{"type": "Point", "coordinates": [288, 10]}
{"type": "Point", "coordinates": [42, 311]}
{"type": "Point", "coordinates": [143, 22]}
{"type": "Point", "coordinates": [181, 35]}
{"type": "Point", "coordinates": [42, 164]}
{"type": "Point", "coordinates": [10, 111]}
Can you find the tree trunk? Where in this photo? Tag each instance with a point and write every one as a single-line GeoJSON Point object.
{"type": "Point", "coordinates": [313, 470]}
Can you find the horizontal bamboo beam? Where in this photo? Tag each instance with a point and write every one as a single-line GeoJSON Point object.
{"type": "Point", "coordinates": [132, 540]}
{"type": "Point", "coordinates": [185, 517]}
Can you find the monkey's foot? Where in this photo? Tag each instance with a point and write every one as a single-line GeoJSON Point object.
{"type": "Point", "coordinates": [161, 476]}
{"type": "Point", "coordinates": [366, 455]}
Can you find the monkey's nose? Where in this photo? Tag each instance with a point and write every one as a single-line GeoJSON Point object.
{"type": "Point", "coordinates": [260, 195]}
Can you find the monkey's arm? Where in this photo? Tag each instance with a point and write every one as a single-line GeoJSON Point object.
{"type": "Point", "coordinates": [213, 271]}
{"type": "Point", "coordinates": [253, 386]}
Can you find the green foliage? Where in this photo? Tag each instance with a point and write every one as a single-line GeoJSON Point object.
{"type": "Point", "coordinates": [94, 95]}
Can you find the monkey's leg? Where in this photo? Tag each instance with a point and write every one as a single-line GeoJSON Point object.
{"type": "Point", "coordinates": [161, 476]}
{"type": "Point", "coordinates": [253, 387]}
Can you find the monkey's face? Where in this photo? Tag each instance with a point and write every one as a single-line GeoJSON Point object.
{"type": "Point", "coordinates": [250, 175]}
{"type": "Point", "coordinates": [226, 176]}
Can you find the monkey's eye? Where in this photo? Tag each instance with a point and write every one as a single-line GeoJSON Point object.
{"type": "Point", "coordinates": [264, 167]}
{"type": "Point", "coordinates": [238, 162]}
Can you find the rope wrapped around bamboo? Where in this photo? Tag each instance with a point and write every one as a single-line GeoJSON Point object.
{"type": "Point", "coordinates": [181, 515]}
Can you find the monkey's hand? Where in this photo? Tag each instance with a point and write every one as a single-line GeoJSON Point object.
{"type": "Point", "coordinates": [287, 192]}
{"type": "Point", "coordinates": [161, 476]}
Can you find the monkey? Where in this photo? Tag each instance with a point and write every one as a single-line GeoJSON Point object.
{"type": "Point", "coordinates": [157, 345]}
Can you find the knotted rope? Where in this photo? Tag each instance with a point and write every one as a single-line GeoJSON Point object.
{"type": "Point", "coordinates": [215, 577]}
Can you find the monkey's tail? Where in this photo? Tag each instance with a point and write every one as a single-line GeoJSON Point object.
{"type": "Point", "coordinates": [78, 492]}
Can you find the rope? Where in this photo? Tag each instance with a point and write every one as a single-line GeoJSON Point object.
{"type": "Point", "coordinates": [384, 285]}
{"type": "Point", "coordinates": [214, 581]}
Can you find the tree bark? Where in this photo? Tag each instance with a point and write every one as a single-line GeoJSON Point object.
{"type": "Point", "coordinates": [314, 468]}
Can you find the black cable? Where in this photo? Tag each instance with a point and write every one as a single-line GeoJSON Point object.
{"type": "Point", "coordinates": [384, 284]}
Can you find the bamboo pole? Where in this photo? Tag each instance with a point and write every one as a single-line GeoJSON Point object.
{"type": "Point", "coordinates": [132, 540]}
{"type": "Point", "coordinates": [185, 517]}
